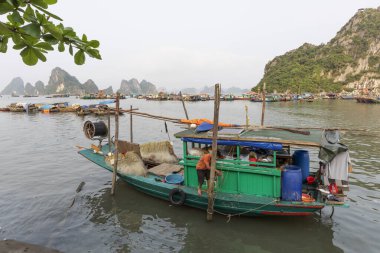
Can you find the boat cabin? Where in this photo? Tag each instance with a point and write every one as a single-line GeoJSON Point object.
{"type": "Point", "coordinates": [240, 176]}
{"type": "Point", "coordinates": [260, 176]}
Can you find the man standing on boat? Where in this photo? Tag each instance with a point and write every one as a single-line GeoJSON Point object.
{"type": "Point", "coordinates": [203, 170]}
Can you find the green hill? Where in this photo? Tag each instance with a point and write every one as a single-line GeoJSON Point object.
{"type": "Point", "coordinates": [351, 60]}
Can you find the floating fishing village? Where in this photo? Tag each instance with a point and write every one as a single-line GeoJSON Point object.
{"type": "Point", "coordinates": [205, 152]}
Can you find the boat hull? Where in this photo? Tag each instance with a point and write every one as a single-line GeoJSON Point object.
{"type": "Point", "coordinates": [225, 203]}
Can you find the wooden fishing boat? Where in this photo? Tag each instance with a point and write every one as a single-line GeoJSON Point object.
{"type": "Point", "coordinates": [368, 100]}
{"type": "Point", "coordinates": [245, 187]}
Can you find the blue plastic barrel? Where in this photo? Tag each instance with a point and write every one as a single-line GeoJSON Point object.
{"type": "Point", "coordinates": [291, 183]}
{"type": "Point", "coordinates": [302, 160]}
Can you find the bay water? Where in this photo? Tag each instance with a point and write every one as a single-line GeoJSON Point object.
{"type": "Point", "coordinates": [40, 171]}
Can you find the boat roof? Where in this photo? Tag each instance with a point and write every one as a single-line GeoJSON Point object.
{"type": "Point", "coordinates": [272, 135]}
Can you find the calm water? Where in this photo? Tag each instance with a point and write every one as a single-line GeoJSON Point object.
{"type": "Point", "coordinates": [40, 171]}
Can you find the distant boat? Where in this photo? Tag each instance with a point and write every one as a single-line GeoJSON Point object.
{"type": "Point", "coordinates": [368, 100]}
{"type": "Point", "coordinates": [347, 97]}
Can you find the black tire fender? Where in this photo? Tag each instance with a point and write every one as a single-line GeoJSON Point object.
{"type": "Point", "coordinates": [180, 193]}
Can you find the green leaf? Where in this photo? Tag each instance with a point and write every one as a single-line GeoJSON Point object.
{"type": "Point", "coordinates": [39, 54]}
{"type": "Point", "coordinates": [51, 28]}
{"type": "Point", "coordinates": [4, 29]}
{"type": "Point", "coordinates": [32, 29]}
{"type": "Point", "coordinates": [19, 46]}
{"type": "Point", "coordinates": [29, 56]}
{"type": "Point", "coordinates": [84, 38]}
{"type": "Point", "coordinates": [79, 57]}
{"type": "Point", "coordinates": [71, 49]}
{"type": "Point", "coordinates": [48, 13]}
{"type": "Point", "coordinates": [69, 32]}
{"type": "Point", "coordinates": [50, 39]}
{"type": "Point", "coordinates": [3, 44]}
{"type": "Point", "coordinates": [94, 53]}
{"type": "Point", "coordinates": [5, 7]}
{"type": "Point", "coordinates": [29, 14]}
{"type": "Point", "coordinates": [17, 38]}
{"type": "Point", "coordinates": [15, 18]}
{"type": "Point", "coordinates": [50, 2]}
{"type": "Point", "coordinates": [40, 3]}
{"type": "Point", "coordinates": [61, 47]}
{"type": "Point", "coordinates": [44, 45]}
{"type": "Point", "coordinates": [14, 3]}
{"type": "Point", "coordinates": [93, 43]}
{"type": "Point", "coordinates": [41, 18]}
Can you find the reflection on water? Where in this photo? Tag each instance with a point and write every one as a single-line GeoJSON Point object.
{"type": "Point", "coordinates": [40, 171]}
{"type": "Point", "coordinates": [148, 224]}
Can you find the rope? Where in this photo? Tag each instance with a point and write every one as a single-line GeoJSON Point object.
{"type": "Point", "coordinates": [229, 216]}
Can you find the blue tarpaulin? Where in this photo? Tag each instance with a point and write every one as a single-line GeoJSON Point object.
{"type": "Point", "coordinates": [46, 107]}
{"type": "Point", "coordinates": [106, 102]}
{"type": "Point", "coordinates": [252, 144]}
{"type": "Point", "coordinates": [204, 127]}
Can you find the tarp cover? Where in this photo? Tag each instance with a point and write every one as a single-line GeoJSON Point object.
{"type": "Point", "coordinates": [330, 146]}
{"type": "Point", "coordinates": [46, 107]}
{"type": "Point", "coordinates": [253, 144]}
{"type": "Point", "coordinates": [106, 102]}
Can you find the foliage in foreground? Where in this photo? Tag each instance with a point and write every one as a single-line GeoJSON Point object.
{"type": "Point", "coordinates": [31, 28]}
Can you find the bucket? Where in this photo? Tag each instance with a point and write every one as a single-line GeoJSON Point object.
{"type": "Point", "coordinates": [291, 183]}
{"type": "Point", "coordinates": [174, 179]}
{"type": "Point", "coordinates": [301, 159]}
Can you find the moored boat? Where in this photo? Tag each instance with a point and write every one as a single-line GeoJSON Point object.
{"type": "Point", "coordinates": [245, 187]}
{"type": "Point", "coordinates": [367, 100]}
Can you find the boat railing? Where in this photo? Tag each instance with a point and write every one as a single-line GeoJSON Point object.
{"type": "Point", "coordinates": [235, 165]}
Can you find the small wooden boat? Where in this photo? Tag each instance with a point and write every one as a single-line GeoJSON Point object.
{"type": "Point", "coordinates": [83, 112]}
{"type": "Point", "coordinates": [245, 187]}
{"type": "Point", "coordinates": [368, 100]}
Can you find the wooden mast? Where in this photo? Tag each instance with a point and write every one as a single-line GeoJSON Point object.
{"type": "Point", "coordinates": [210, 192]}
{"type": "Point", "coordinates": [183, 104]}
{"type": "Point", "coordinates": [130, 128]}
{"type": "Point", "coordinates": [263, 108]}
{"type": "Point", "coordinates": [116, 155]}
{"type": "Point", "coordinates": [109, 129]}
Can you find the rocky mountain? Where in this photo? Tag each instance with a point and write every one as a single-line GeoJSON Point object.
{"type": "Point", "coordinates": [61, 82]}
{"type": "Point", "coordinates": [189, 91]}
{"type": "Point", "coordinates": [232, 90]}
{"type": "Point", "coordinates": [16, 86]}
{"type": "Point", "coordinates": [40, 87]}
{"type": "Point", "coordinates": [108, 91]}
{"type": "Point", "coordinates": [133, 87]}
{"type": "Point", "coordinates": [147, 87]}
{"type": "Point", "coordinates": [351, 60]}
{"type": "Point", "coordinates": [90, 87]}
{"type": "Point", "coordinates": [30, 90]}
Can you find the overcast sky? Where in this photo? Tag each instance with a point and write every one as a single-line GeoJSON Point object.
{"type": "Point", "coordinates": [177, 44]}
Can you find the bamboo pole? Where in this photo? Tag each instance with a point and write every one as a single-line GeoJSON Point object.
{"type": "Point", "coordinates": [130, 128]}
{"type": "Point", "coordinates": [246, 117]}
{"type": "Point", "coordinates": [109, 129]}
{"type": "Point", "coordinates": [263, 108]}
{"type": "Point", "coordinates": [210, 192]}
{"type": "Point", "coordinates": [183, 104]}
{"type": "Point", "coordinates": [116, 156]}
